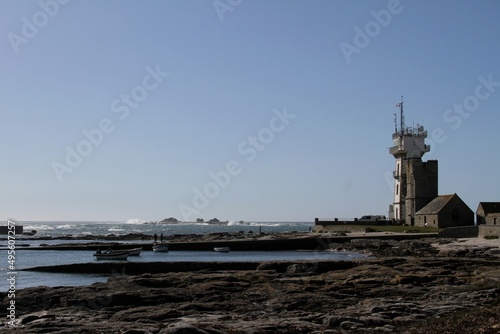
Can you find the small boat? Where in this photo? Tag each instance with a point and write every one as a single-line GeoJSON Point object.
{"type": "Point", "coordinates": [221, 249]}
{"type": "Point", "coordinates": [112, 255]}
{"type": "Point", "coordinates": [134, 251]}
{"type": "Point", "coordinates": [160, 248]}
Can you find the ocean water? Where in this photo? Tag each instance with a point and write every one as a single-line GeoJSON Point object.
{"type": "Point", "coordinates": [26, 258]}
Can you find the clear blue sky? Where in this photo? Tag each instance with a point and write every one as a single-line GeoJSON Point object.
{"type": "Point", "coordinates": [223, 74]}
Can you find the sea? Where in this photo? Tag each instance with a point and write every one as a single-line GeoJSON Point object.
{"type": "Point", "coordinates": [18, 264]}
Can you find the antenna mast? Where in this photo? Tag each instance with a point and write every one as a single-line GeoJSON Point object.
{"type": "Point", "coordinates": [401, 116]}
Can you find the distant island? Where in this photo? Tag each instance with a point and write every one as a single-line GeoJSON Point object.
{"type": "Point", "coordinates": [173, 220]}
{"type": "Point", "coordinates": [170, 220]}
{"type": "Point", "coordinates": [217, 222]}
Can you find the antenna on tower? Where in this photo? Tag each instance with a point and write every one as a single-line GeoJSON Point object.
{"type": "Point", "coordinates": [395, 123]}
{"type": "Point", "coordinates": [401, 116]}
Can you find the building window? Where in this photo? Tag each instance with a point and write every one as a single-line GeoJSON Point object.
{"type": "Point", "coordinates": [455, 214]}
{"type": "Point", "coordinates": [494, 221]}
{"type": "Point", "coordinates": [397, 189]}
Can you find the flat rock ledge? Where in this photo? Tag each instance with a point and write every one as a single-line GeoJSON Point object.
{"type": "Point", "coordinates": [372, 295]}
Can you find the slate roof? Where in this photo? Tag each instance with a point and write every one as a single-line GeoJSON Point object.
{"type": "Point", "coordinates": [490, 207]}
{"type": "Point", "coordinates": [436, 205]}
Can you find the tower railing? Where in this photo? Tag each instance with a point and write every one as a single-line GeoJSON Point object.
{"type": "Point", "coordinates": [410, 132]}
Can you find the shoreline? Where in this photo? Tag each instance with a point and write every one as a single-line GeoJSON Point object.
{"type": "Point", "coordinates": [429, 284]}
{"type": "Point", "coordinates": [263, 242]}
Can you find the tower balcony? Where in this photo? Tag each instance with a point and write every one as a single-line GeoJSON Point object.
{"type": "Point", "coordinates": [396, 150]}
{"type": "Point", "coordinates": [397, 175]}
{"type": "Point", "coordinates": [400, 150]}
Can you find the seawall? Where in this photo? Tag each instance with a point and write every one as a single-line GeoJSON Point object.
{"type": "Point", "coordinates": [316, 242]}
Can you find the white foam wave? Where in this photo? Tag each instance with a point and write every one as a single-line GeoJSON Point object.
{"type": "Point", "coordinates": [65, 227]}
{"type": "Point", "coordinates": [135, 221]}
{"type": "Point", "coordinates": [116, 229]}
{"type": "Point", "coordinates": [243, 223]}
{"type": "Point", "coordinates": [37, 227]}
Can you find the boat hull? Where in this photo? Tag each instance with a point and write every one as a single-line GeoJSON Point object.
{"type": "Point", "coordinates": [134, 251]}
{"type": "Point", "coordinates": [160, 248]}
{"type": "Point", "coordinates": [112, 256]}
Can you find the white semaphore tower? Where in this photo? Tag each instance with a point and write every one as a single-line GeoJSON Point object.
{"type": "Point", "coordinates": [416, 182]}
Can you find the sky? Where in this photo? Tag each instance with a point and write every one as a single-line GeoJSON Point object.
{"type": "Point", "coordinates": [250, 110]}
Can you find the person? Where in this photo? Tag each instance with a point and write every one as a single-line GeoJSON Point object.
{"type": "Point", "coordinates": [98, 251]}
{"type": "Point", "coordinates": [156, 237]}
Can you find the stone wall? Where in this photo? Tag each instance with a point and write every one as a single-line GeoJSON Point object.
{"type": "Point", "coordinates": [460, 232]}
{"type": "Point", "coordinates": [489, 230]}
{"type": "Point", "coordinates": [337, 228]}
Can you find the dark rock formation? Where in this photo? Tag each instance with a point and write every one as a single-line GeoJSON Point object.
{"type": "Point", "coordinates": [393, 294]}
{"type": "Point", "coordinates": [170, 220]}
{"type": "Point", "coordinates": [410, 287]}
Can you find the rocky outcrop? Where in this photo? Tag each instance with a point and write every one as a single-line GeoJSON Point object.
{"type": "Point", "coordinates": [376, 295]}
{"type": "Point", "coordinates": [424, 247]}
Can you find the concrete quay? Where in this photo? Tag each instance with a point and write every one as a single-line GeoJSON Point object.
{"type": "Point", "coordinates": [315, 241]}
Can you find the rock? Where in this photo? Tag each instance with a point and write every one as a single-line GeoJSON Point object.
{"type": "Point", "coordinates": [145, 312]}
{"type": "Point", "coordinates": [137, 331]}
{"type": "Point", "coordinates": [351, 325]}
{"type": "Point", "coordinates": [337, 321]}
{"type": "Point", "coordinates": [375, 320]}
{"type": "Point", "coordinates": [365, 295]}
{"type": "Point", "coordinates": [493, 252]}
{"type": "Point", "coordinates": [377, 309]}
{"type": "Point", "coordinates": [300, 268]}
{"type": "Point", "coordinates": [403, 319]}
{"type": "Point", "coordinates": [183, 328]}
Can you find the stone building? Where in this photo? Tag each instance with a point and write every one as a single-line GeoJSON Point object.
{"type": "Point", "coordinates": [421, 186]}
{"type": "Point", "coordinates": [416, 181]}
{"type": "Point", "coordinates": [488, 213]}
{"type": "Point", "coordinates": [445, 211]}
{"type": "Point", "coordinates": [416, 200]}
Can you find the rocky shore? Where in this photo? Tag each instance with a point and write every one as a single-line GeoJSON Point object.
{"type": "Point", "coordinates": [407, 286]}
